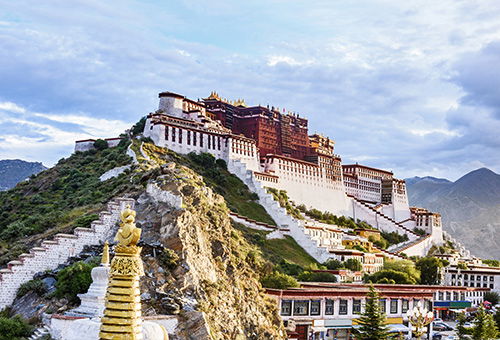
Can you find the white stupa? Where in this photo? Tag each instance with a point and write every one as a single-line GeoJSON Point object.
{"type": "Point", "coordinates": [83, 322]}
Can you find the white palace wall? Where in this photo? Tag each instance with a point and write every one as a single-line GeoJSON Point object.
{"type": "Point", "coordinates": [185, 140]}
{"type": "Point", "coordinates": [306, 184]}
{"type": "Point", "coordinates": [52, 253]}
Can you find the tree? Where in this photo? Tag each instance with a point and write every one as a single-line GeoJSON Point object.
{"type": "Point", "coordinates": [100, 144]}
{"type": "Point", "coordinates": [485, 327]}
{"type": "Point", "coordinates": [372, 321]}
{"type": "Point", "coordinates": [317, 277]}
{"type": "Point", "coordinates": [334, 264]}
{"type": "Point", "coordinates": [492, 297]}
{"type": "Point", "coordinates": [138, 127]}
{"type": "Point", "coordinates": [404, 266]}
{"type": "Point", "coordinates": [279, 281]}
{"type": "Point", "coordinates": [353, 264]}
{"type": "Point", "coordinates": [497, 318]}
{"type": "Point", "coordinates": [429, 270]}
{"type": "Point", "coordinates": [461, 330]}
{"type": "Point", "coordinates": [390, 276]}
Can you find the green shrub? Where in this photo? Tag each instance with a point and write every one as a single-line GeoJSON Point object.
{"type": "Point", "coordinates": [37, 286]}
{"type": "Point", "coordinates": [393, 237]}
{"type": "Point", "coordinates": [138, 127]}
{"type": "Point", "coordinates": [418, 231]}
{"type": "Point", "coordinates": [334, 264]}
{"type": "Point", "coordinates": [317, 277]}
{"type": "Point", "coordinates": [390, 276]}
{"type": "Point", "coordinates": [492, 263]}
{"type": "Point", "coordinates": [14, 328]}
{"type": "Point", "coordinates": [168, 258]}
{"type": "Point", "coordinates": [353, 264]}
{"type": "Point", "coordinates": [84, 221]}
{"type": "Point", "coordinates": [100, 144]}
{"type": "Point", "coordinates": [279, 280]}
{"type": "Point", "coordinates": [74, 279]}
{"type": "Point", "coordinates": [289, 268]}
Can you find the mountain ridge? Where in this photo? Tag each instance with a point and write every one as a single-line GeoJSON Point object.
{"type": "Point", "coordinates": [469, 207]}
{"type": "Point", "coordinates": [13, 171]}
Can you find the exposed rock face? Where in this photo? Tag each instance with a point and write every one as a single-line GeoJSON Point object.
{"type": "Point", "coordinates": [213, 286]}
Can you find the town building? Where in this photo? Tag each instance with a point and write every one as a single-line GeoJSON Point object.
{"type": "Point", "coordinates": [330, 311]}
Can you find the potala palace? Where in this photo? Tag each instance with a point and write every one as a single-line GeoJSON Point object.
{"type": "Point", "coordinates": [267, 148]}
{"type": "Point", "coordinates": [292, 174]}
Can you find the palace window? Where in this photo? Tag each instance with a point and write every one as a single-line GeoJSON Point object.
{"type": "Point", "coordinates": [218, 143]}
{"type": "Point", "coordinates": [315, 307]}
{"type": "Point", "coordinates": [329, 307]}
{"type": "Point", "coordinates": [301, 307]}
{"type": "Point", "coordinates": [173, 134]}
{"type": "Point", "coordinates": [394, 306]}
{"type": "Point", "coordinates": [189, 137]}
{"type": "Point", "coordinates": [404, 306]}
{"type": "Point", "coordinates": [356, 306]}
{"type": "Point", "coordinates": [166, 133]}
{"type": "Point", "coordinates": [382, 305]}
{"type": "Point", "coordinates": [194, 138]}
{"type": "Point", "coordinates": [213, 142]}
{"type": "Point", "coordinates": [208, 140]}
{"type": "Point", "coordinates": [180, 135]}
{"type": "Point", "coordinates": [201, 139]}
{"type": "Point", "coordinates": [286, 308]}
{"type": "Point", "coordinates": [343, 307]}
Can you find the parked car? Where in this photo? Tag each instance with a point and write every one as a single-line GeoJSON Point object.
{"type": "Point", "coordinates": [468, 325]}
{"type": "Point", "coordinates": [441, 327]}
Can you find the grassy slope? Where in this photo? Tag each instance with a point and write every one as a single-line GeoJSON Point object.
{"type": "Point", "coordinates": [275, 250]}
{"type": "Point", "coordinates": [59, 199]}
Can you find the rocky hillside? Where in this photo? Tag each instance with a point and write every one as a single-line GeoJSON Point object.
{"type": "Point", "coordinates": [214, 285]}
{"type": "Point", "coordinates": [199, 267]}
{"type": "Point", "coordinates": [470, 207]}
{"type": "Point", "coordinates": [13, 171]}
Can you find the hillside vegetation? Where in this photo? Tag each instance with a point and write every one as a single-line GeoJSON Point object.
{"type": "Point", "coordinates": [60, 199]}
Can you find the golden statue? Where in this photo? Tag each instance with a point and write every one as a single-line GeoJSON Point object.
{"type": "Point", "coordinates": [122, 314]}
{"type": "Point", "coordinates": [105, 255]}
{"type": "Point", "coordinates": [128, 234]}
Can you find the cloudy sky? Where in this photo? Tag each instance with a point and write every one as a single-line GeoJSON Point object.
{"type": "Point", "coordinates": [410, 86]}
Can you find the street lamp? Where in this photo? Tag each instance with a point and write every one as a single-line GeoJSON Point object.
{"type": "Point", "coordinates": [419, 317]}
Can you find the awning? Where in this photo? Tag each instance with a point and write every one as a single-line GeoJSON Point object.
{"type": "Point", "coordinates": [319, 329]}
{"type": "Point", "coordinates": [398, 328]}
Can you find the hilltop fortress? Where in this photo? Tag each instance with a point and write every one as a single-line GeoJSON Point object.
{"type": "Point", "coordinates": [267, 148]}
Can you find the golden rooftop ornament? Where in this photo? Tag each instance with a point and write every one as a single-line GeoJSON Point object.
{"type": "Point", "coordinates": [122, 314]}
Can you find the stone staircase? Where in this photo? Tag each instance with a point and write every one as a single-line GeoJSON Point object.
{"type": "Point", "coordinates": [40, 332]}
{"type": "Point", "coordinates": [51, 253]}
{"type": "Point", "coordinates": [385, 220]}
{"type": "Point", "coordinates": [404, 247]}
{"type": "Point", "coordinates": [296, 227]}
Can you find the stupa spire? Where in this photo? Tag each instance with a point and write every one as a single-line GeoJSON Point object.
{"type": "Point", "coordinates": [122, 314]}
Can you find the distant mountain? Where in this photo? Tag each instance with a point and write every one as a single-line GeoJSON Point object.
{"type": "Point", "coordinates": [13, 171]}
{"type": "Point", "coordinates": [470, 207]}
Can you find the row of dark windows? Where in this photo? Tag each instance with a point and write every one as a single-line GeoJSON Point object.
{"type": "Point", "coordinates": [313, 307]}
{"type": "Point", "coordinates": [213, 142]}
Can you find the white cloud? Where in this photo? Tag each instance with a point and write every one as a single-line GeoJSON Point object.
{"type": "Point", "coordinates": [11, 107]}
